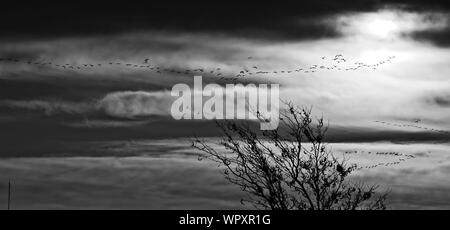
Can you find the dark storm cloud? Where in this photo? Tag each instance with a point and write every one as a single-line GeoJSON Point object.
{"type": "Point", "coordinates": [437, 37]}
{"type": "Point", "coordinates": [69, 88]}
{"type": "Point", "coordinates": [25, 137]}
{"type": "Point", "coordinates": [261, 20]}
{"type": "Point", "coordinates": [438, 100]}
{"type": "Point", "coordinates": [443, 101]}
{"type": "Point", "coordinates": [438, 31]}
{"type": "Point", "coordinates": [272, 19]}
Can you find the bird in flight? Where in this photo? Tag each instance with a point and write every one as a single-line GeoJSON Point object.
{"type": "Point", "coordinates": [146, 60]}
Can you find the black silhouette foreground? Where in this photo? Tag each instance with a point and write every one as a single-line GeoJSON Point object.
{"type": "Point", "coordinates": [289, 168]}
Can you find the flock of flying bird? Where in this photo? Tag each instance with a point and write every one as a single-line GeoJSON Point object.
{"type": "Point", "coordinates": [413, 126]}
{"type": "Point", "coordinates": [335, 63]}
{"type": "Point", "coordinates": [400, 158]}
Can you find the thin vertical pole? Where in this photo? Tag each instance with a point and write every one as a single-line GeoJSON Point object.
{"type": "Point", "coordinates": [9, 194]}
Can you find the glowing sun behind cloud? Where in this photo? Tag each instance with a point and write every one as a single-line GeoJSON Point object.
{"type": "Point", "coordinates": [381, 27]}
{"type": "Point", "coordinates": [388, 24]}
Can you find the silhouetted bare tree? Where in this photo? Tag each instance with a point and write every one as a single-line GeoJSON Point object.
{"type": "Point", "coordinates": [290, 167]}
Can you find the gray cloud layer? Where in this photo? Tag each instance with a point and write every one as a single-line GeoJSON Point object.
{"type": "Point", "coordinates": [126, 104]}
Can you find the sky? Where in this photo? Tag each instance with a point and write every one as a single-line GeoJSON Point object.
{"type": "Point", "coordinates": [60, 80]}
